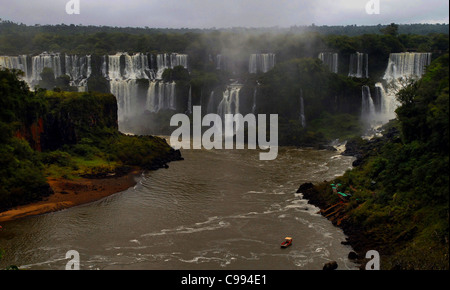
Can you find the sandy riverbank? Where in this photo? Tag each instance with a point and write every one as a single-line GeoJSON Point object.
{"type": "Point", "coordinates": [69, 193]}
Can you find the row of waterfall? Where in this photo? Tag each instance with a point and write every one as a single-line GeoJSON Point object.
{"type": "Point", "coordinates": [133, 100]}
{"type": "Point", "coordinates": [123, 71]}
{"type": "Point", "coordinates": [77, 67]}
{"type": "Point", "coordinates": [122, 66]}
{"type": "Point", "coordinates": [257, 62]}
{"type": "Point", "coordinates": [358, 65]}
{"type": "Point", "coordinates": [378, 108]}
{"type": "Point", "coordinates": [330, 59]}
{"type": "Point", "coordinates": [261, 62]}
{"type": "Point", "coordinates": [136, 80]}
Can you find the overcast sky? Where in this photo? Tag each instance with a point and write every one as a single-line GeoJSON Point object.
{"type": "Point", "coordinates": [224, 13]}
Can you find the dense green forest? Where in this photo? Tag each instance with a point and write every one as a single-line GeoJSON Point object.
{"type": "Point", "coordinates": [399, 202]}
{"type": "Point", "coordinates": [19, 38]}
{"type": "Point", "coordinates": [63, 134]}
{"type": "Point", "coordinates": [379, 40]}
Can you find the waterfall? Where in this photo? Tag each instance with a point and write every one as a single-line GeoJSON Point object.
{"type": "Point", "coordinates": [302, 110]}
{"type": "Point", "coordinates": [165, 61]}
{"type": "Point", "coordinates": [114, 72]}
{"type": "Point", "coordinates": [368, 106]}
{"type": "Point", "coordinates": [125, 92]}
{"type": "Point", "coordinates": [387, 103]}
{"type": "Point", "coordinates": [136, 66]}
{"type": "Point", "coordinates": [18, 63]}
{"type": "Point", "coordinates": [122, 70]}
{"type": "Point", "coordinates": [39, 62]}
{"type": "Point", "coordinates": [78, 68]}
{"type": "Point", "coordinates": [400, 68]}
{"type": "Point", "coordinates": [160, 96]}
{"type": "Point", "coordinates": [230, 104]}
{"type": "Point", "coordinates": [359, 65]}
{"type": "Point", "coordinates": [330, 59]}
{"type": "Point", "coordinates": [140, 65]}
{"type": "Point", "coordinates": [230, 101]}
{"type": "Point", "coordinates": [406, 65]}
{"type": "Point", "coordinates": [33, 69]}
{"type": "Point", "coordinates": [261, 62]}
{"type": "Point", "coordinates": [152, 103]}
{"type": "Point", "coordinates": [225, 63]}
{"type": "Point", "coordinates": [104, 67]}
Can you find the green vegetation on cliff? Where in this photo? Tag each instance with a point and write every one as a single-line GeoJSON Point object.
{"type": "Point", "coordinates": [64, 134]}
{"type": "Point", "coordinates": [400, 189]}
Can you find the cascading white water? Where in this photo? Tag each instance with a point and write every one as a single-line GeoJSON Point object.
{"type": "Point", "coordinates": [123, 84]}
{"type": "Point", "coordinates": [359, 65]}
{"type": "Point", "coordinates": [136, 66]}
{"type": "Point", "coordinates": [400, 68]}
{"type": "Point", "coordinates": [122, 76]}
{"type": "Point", "coordinates": [49, 60]}
{"type": "Point", "coordinates": [113, 71]}
{"type": "Point", "coordinates": [78, 68]}
{"type": "Point", "coordinates": [387, 103]}
{"type": "Point", "coordinates": [368, 106]}
{"type": "Point", "coordinates": [160, 96]}
{"type": "Point", "coordinates": [406, 65]}
{"type": "Point", "coordinates": [261, 62]}
{"type": "Point", "coordinates": [18, 63]}
{"type": "Point", "coordinates": [125, 91]}
{"type": "Point", "coordinates": [230, 105]}
{"type": "Point", "coordinates": [165, 61]}
{"type": "Point", "coordinates": [330, 59]}
{"type": "Point", "coordinates": [230, 101]}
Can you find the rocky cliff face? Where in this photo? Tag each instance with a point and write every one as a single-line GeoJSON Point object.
{"type": "Point", "coordinates": [70, 118]}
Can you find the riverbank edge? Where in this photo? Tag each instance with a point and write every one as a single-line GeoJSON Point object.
{"type": "Point", "coordinates": [69, 193]}
{"type": "Point", "coordinates": [337, 214]}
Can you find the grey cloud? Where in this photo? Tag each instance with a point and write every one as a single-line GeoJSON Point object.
{"type": "Point", "coordinates": [223, 13]}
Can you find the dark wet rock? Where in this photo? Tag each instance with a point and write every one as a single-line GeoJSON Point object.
{"type": "Point", "coordinates": [352, 255]}
{"type": "Point", "coordinates": [329, 266]}
{"type": "Point", "coordinates": [305, 187]}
